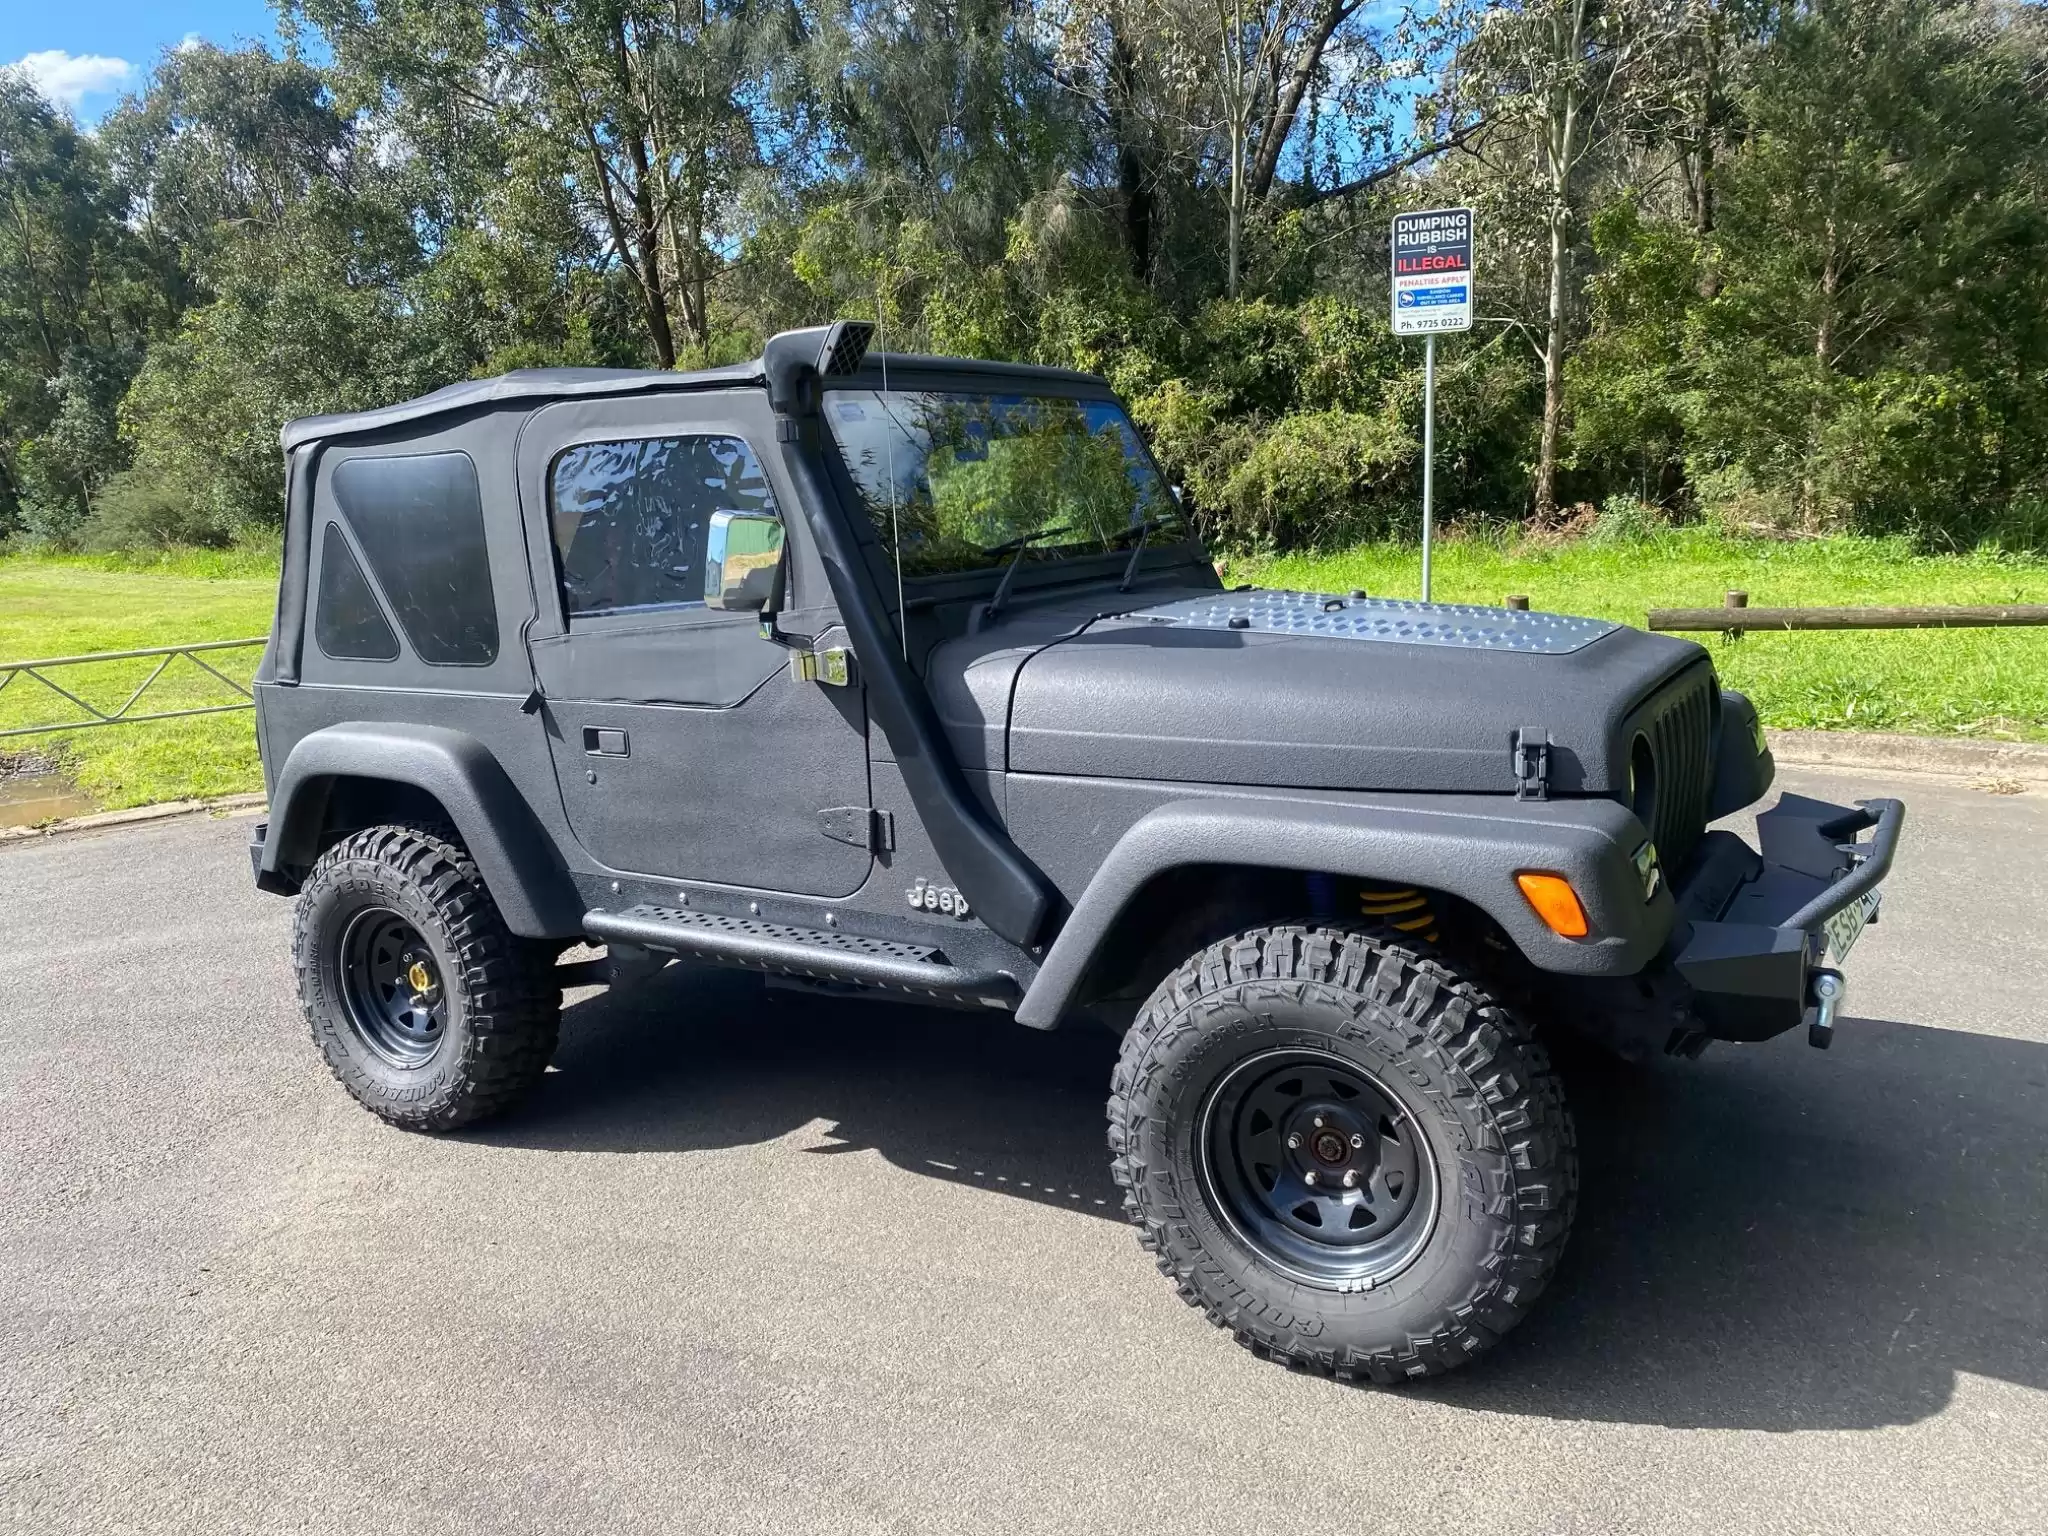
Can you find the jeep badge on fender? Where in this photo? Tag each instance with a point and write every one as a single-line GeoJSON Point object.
{"type": "Point", "coordinates": [937, 898]}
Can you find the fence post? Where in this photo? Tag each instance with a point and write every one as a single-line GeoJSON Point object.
{"type": "Point", "coordinates": [1735, 601]}
{"type": "Point", "coordinates": [1518, 602]}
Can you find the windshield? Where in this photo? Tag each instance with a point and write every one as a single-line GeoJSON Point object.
{"type": "Point", "coordinates": [972, 474]}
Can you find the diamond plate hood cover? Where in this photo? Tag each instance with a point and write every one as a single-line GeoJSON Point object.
{"type": "Point", "coordinates": [1463, 625]}
{"type": "Point", "coordinates": [1308, 690]}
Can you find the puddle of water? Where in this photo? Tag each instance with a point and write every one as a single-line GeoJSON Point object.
{"type": "Point", "coordinates": [29, 798]}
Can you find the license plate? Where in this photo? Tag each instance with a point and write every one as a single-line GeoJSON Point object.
{"type": "Point", "coordinates": [1847, 925]}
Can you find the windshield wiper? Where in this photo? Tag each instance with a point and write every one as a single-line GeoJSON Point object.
{"type": "Point", "coordinates": [1144, 531]}
{"type": "Point", "coordinates": [1015, 548]}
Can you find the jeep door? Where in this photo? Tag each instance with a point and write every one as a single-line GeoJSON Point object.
{"type": "Point", "coordinates": [684, 746]}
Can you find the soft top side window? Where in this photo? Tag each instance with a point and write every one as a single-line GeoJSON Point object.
{"type": "Point", "coordinates": [629, 518]}
{"type": "Point", "coordinates": [347, 623]}
{"type": "Point", "coordinates": [420, 521]}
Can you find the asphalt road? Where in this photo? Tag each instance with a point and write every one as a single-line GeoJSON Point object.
{"type": "Point", "coordinates": [752, 1262]}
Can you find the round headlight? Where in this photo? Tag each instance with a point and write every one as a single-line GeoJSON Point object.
{"type": "Point", "coordinates": [1642, 782]}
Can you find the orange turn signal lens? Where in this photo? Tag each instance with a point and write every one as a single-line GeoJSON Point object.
{"type": "Point", "coordinates": [1555, 902]}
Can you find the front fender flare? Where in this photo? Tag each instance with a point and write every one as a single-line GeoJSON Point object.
{"type": "Point", "coordinates": [514, 854]}
{"type": "Point", "coordinates": [1470, 846]}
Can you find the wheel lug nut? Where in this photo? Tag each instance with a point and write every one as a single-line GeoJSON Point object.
{"type": "Point", "coordinates": [1294, 1139]}
{"type": "Point", "coordinates": [1357, 1140]}
{"type": "Point", "coordinates": [1309, 1177]}
{"type": "Point", "coordinates": [1319, 1122]}
{"type": "Point", "coordinates": [1350, 1178]}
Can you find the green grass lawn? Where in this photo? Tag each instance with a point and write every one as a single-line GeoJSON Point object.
{"type": "Point", "coordinates": [67, 607]}
{"type": "Point", "coordinates": [1982, 682]}
{"type": "Point", "coordinates": [1968, 682]}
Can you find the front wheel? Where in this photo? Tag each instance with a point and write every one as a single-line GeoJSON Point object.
{"type": "Point", "coordinates": [1343, 1151]}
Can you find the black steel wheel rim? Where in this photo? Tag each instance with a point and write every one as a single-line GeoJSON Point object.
{"type": "Point", "coordinates": [391, 987]}
{"type": "Point", "coordinates": [1318, 1168]}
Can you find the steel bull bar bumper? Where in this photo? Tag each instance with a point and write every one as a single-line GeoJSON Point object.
{"type": "Point", "coordinates": [1756, 927]}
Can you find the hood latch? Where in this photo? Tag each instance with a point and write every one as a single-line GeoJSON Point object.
{"type": "Point", "coordinates": [1532, 763]}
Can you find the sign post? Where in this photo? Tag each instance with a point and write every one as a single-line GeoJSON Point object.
{"type": "Point", "coordinates": [1432, 292]}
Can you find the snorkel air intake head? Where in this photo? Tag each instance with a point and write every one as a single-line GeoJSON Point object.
{"type": "Point", "coordinates": [794, 361]}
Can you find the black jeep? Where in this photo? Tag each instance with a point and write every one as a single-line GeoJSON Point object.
{"type": "Point", "coordinates": [907, 673]}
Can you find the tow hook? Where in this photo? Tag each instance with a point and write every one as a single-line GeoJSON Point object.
{"type": "Point", "coordinates": [1824, 999]}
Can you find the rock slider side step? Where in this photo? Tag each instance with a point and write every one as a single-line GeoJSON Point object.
{"type": "Point", "coordinates": [824, 954]}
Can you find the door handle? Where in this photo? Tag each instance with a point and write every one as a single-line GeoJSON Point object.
{"type": "Point", "coordinates": [599, 741]}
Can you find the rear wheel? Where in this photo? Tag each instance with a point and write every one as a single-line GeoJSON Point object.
{"type": "Point", "coordinates": [429, 1011]}
{"type": "Point", "coordinates": [1345, 1152]}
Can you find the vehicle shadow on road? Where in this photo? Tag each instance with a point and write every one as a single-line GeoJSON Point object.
{"type": "Point", "coordinates": [1769, 1238]}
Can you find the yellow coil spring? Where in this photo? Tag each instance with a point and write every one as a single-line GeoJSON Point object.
{"type": "Point", "coordinates": [1404, 910]}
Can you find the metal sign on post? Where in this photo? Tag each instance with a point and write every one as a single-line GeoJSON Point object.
{"type": "Point", "coordinates": [1432, 292]}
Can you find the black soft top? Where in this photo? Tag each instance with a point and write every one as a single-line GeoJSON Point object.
{"type": "Point", "coordinates": [543, 384]}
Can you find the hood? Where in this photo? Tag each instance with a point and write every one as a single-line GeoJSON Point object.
{"type": "Point", "coordinates": [1309, 690]}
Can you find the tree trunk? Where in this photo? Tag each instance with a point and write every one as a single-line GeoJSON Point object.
{"type": "Point", "coordinates": [1134, 178]}
{"type": "Point", "coordinates": [700, 271]}
{"type": "Point", "coordinates": [1830, 286]}
{"type": "Point", "coordinates": [1561, 152]}
{"type": "Point", "coordinates": [1553, 373]}
{"type": "Point", "coordinates": [1709, 132]}
{"type": "Point", "coordinates": [647, 240]}
{"type": "Point", "coordinates": [1290, 93]}
{"type": "Point", "coordinates": [1236, 199]}
{"type": "Point", "coordinates": [644, 262]}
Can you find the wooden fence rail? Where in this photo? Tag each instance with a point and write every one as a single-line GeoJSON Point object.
{"type": "Point", "coordinates": [1735, 616]}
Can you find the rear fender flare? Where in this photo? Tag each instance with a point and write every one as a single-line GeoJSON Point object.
{"type": "Point", "coordinates": [1470, 846]}
{"type": "Point", "coordinates": [514, 854]}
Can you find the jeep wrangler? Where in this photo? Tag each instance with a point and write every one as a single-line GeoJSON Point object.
{"type": "Point", "coordinates": [909, 674]}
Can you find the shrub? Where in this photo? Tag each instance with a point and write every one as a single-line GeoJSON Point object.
{"type": "Point", "coordinates": [142, 509]}
{"type": "Point", "coordinates": [1316, 477]}
{"type": "Point", "coordinates": [1628, 519]}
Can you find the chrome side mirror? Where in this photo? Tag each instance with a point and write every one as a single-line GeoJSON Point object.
{"type": "Point", "coordinates": [742, 560]}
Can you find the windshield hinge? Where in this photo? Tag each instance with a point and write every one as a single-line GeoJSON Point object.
{"type": "Point", "coordinates": [1532, 763]}
{"type": "Point", "coordinates": [860, 826]}
{"type": "Point", "coordinates": [832, 666]}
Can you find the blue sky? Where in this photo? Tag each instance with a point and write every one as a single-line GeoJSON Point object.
{"type": "Point", "coordinates": [84, 54]}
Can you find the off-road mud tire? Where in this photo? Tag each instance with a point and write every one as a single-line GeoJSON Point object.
{"type": "Point", "coordinates": [1479, 1088]}
{"type": "Point", "coordinates": [503, 1008]}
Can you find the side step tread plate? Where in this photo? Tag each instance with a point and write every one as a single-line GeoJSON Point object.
{"type": "Point", "coordinates": [824, 954]}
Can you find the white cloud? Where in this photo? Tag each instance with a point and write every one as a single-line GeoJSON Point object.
{"type": "Point", "coordinates": [67, 79]}
{"type": "Point", "coordinates": [188, 42]}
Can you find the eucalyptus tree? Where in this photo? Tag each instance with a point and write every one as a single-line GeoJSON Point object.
{"type": "Point", "coordinates": [945, 112]}
{"type": "Point", "coordinates": [1224, 96]}
{"type": "Point", "coordinates": [1551, 84]}
{"type": "Point", "coordinates": [652, 114]}
{"type": "Point", "coordinates": [1880, 341]}
{"type": "Point", "coordinates": [76, 309]}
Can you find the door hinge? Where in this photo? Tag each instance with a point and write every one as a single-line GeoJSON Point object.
{"type": "Point", "coordinates": [1532, 763]}
{"type": "Point", "coordinates": [833, 666]}
{"type": "Point", "coordinates": [861, 826]}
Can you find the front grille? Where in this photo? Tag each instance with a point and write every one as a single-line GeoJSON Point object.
{"type": "Point", "coordinates": [1679, 726]}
